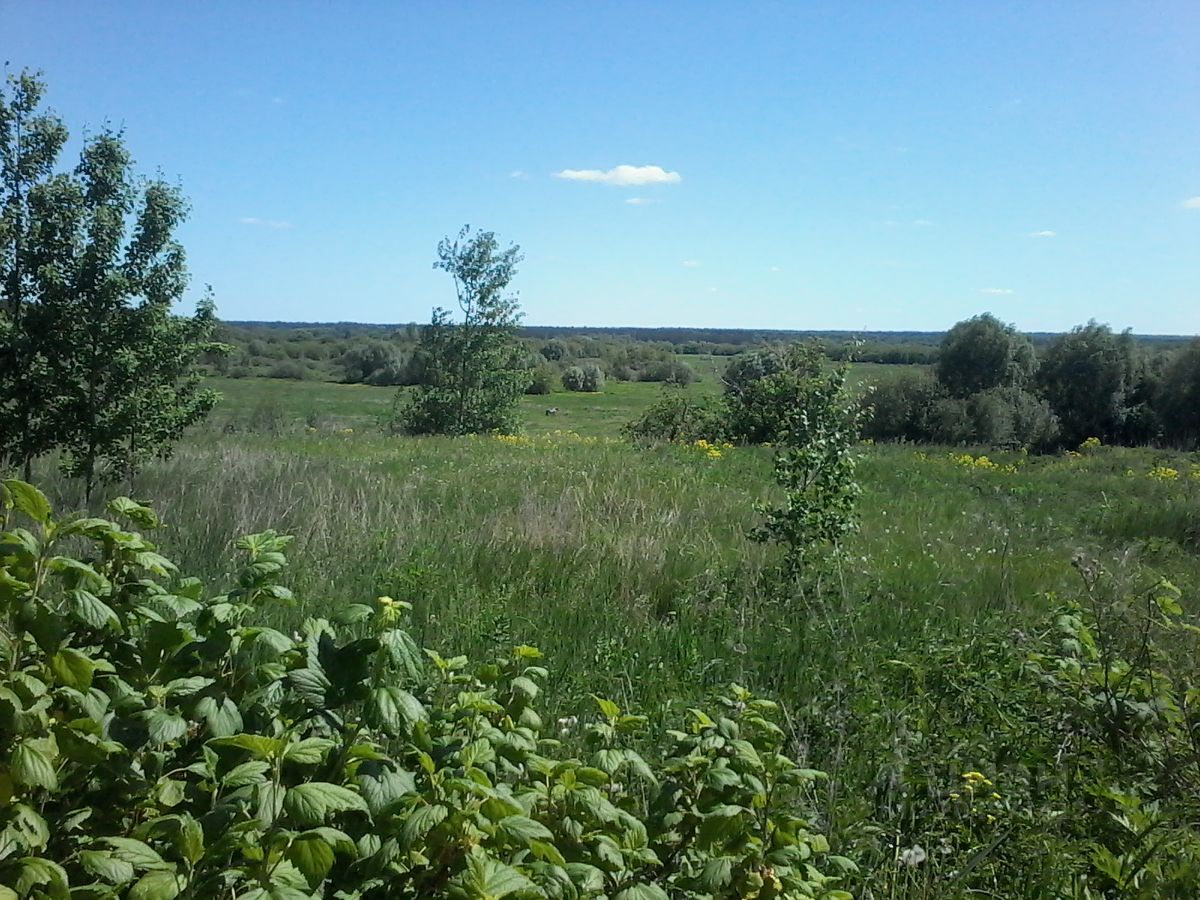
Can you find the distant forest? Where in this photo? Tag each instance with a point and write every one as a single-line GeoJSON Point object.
{"type": "Point", "coordinates": [382, 354]}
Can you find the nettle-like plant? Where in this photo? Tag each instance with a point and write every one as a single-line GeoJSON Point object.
{"type": "Point", "coordinates": [156, 742]}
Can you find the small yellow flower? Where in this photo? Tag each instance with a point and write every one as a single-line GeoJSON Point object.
{"type": "Point", "coordinates": [995, 796]}
{"type": "Point", "coordinates": [1164, 473]}
{"type": "Point", "coordinates": [955, 796]}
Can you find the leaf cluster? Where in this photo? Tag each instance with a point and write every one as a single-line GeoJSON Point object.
{"type": "Point", "coordinates": [160, 742]}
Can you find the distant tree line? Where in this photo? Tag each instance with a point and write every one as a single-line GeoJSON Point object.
{"type": "Point", "coordinates": [992, 386]}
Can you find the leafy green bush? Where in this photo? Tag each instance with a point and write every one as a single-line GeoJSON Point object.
{"type": "Point", "coordinates": [815, 466]}
{"type": "Point", "coordinates": [159, 742]}
{"type": "Point", "coordinates": [588, 378]}
{"type": "Point", "coordinates": [1036, 763]}
{"type": "Point", "coordinates": [678, 418]}
{"type": "Point", "coordinates": [901, 406]}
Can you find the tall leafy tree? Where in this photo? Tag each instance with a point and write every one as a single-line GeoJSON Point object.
{"type": "Point", "coordinates": [30, 142]}
{"type": "Point", "coordinates": [108, 368]}
{"type": "Point", "coordinates": [982, 353]}
{"type": "Point", "coordinates": [475, 369]}
{"type": "Point", "coordinates": [1087, 376]}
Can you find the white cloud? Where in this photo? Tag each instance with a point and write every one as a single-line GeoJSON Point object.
{"type": "Point", "coordinates": [691, 263]}
{"type": "Point", "coordinates": [713, 290]}
{"type": "Point", "coordinates": [1192, 203]}
{"type": "Point", "coordinates": [922, 223]}
{"type": "Point", "coordinates": [995, 291]}
{"type": "Point", "coordinates": [265, 223]}
{"type": "Point", "coordinates": [622, 176]}
{"type": "Point", "coordinates": [776, 268]}
{"type": "Point", "coordinates": [640, 201]}
{"type": "Point", "coordinates": [517, 173]}
{"type": "Point", "coordinates": [1043, 234]}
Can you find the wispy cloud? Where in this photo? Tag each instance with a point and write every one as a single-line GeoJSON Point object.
{"type": "Point", "coordinates": [519, 175]}
{"type": "Point", "coordinates": [995, 292]}
{"type": "Point", "coordinates": [1192, 203]}
{"type": "Point", "coordinates": [1043, 234]}
{"type": "Point", "coordinates": [691, 263]}
{"type": "Point", "coordinates": [640, 201]}
{"type": "Point", "coordinates": [265, 223]}
{"type": "Point", "coordinates": [922, 223]}
{"type": "Point", "coordinates": [776, 268]}
{"type": "Point", "coordinates": [622, 176]}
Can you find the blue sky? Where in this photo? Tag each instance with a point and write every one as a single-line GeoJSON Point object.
{"type": "Point", "coordinates": [849, 165]}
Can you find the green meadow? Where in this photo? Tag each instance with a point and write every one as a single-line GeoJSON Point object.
{"type": "Point", "coordinates": [631, 569]}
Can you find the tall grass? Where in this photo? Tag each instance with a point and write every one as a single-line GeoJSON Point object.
{"type": "Point", "coordinates": [632, 570]}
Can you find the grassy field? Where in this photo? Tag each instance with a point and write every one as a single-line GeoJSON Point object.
{"type": "Point", "coordinates": [631, 568]}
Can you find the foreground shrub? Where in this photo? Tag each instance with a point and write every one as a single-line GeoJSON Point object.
{"type": "Point", "coordinates": [1052, 763]}
{"type": "Point", "coordinates": [159, 742]}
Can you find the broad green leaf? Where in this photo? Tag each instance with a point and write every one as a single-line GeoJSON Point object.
{"type": "Point", "coordinates": [608, 709]}
{"type": "Point", "coordinates": [587, 878]}
{"type": "Point", "coordinates": [525, 687]}
{"type": "Point", "coordinates": [269, 798]}
{"type": "Point", "coordinates": [35, 872]}
{"type": "Point", "coordinates": [313, 856]}
{"type": "Point", "coordinates": [259, 746]}
{"type": "Point", "coordinates": [310, 684]}
{"type": "Point", "coordinates": [308, 752]}
{"type": "Point", "coordinates": [103, 864]}
{"type": "Point", "coordinates": [137, 853]}
{"type": "Point", "coordinates": [251, 772]}
{"type": "Point", "coordinates": [164, 727]}
{"type": "Point", "coordinates": [169, 792]}
{"type": "Point", "coordinates": [221, 716]}
{"type": "Point", "coordinates": [29, 500]}
{"type": "Point", "coordinates": [31, 766]}
{"type": "Point", "coordinates": [642, 892]}
{"type": "Point", "coordinates": [394, 707]}
{"type": "Point", "coordinates": [159, 885]}
{"type": "Point", "coordinates": [717, 874]}
{"type": "Point", "coordinates": [91, 609]}
{"type": "Point", "coordinates": [314, 802]}
{"type": "Point", "coordinates": [73, 668]}
{"type": "Point", "coordinates": [352, 614]}
{"type": "Point", "coordinates": [338, 840]}
{"type": "Point", "coordinates": [546, 852]}
{"type": "Point", "coordinates": [419, 823]}
{"type": "Point", "coordinates": [524, 830]}
{"type": "Point", "coordinates": [489, 878]}
{"type": "Point", "coordinates": [185, 687]}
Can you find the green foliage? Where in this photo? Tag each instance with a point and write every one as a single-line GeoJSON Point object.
{"type": "Point", "coordinates": [160, 743]}
{"type": "Point", "coordinates": [587, 378]}
{"type": "Point", "coordinates": [765, 388]}
{"type": "Point", "coordinates": [1087, 376]}
{"type": "Point", "coordinates": [901, 407]}
{"type": "Point", "coordinates": [1052, 763]}
{"type": "Point", "coordinates": [1179, 397]}
{"type": "Point", "coordinates": [474, 370]}
{"type": "Point", "coordinates": [542, 380]}
{"type": "Point", "coordinates": [814, 464]}
{"type": "Point", "coordinates": [678, 418]}
{"type": "Point", "coordinates": [1011, 418]}
{"type": "Point", "coordinates": [96, 365]}
{"type": "Point", "coordinates": [982, 353]}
